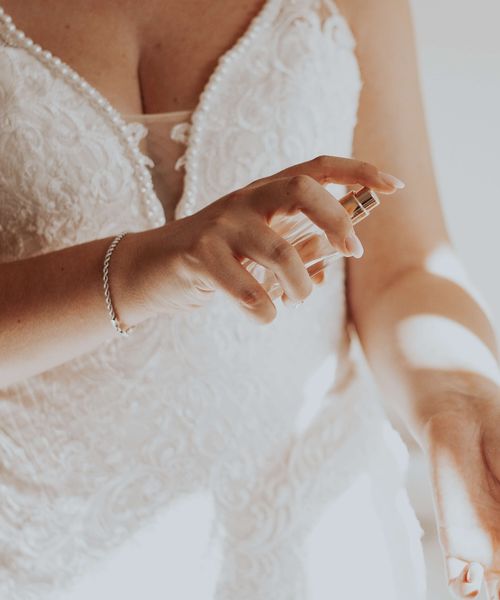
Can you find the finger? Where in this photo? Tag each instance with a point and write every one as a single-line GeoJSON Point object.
{"type": "Point", "coordinates": [320, 275]}
{"type": "Point", "coordinates": [303, 193]}
{"type": "Point", "coordinates": [308, 249]}
{"type": "Point", "coordinates": [316, 279]}
{"type": "Point", "coordinates": [468, 583]}
{"type": "Point", "coordinates": [227, 271]}
{"type": "Point", "coordinates": [264, 246]}
{"type": "Point", "coordinates": [338, 169]}
{"type": "Point", "coordinates": [492, 586]}
{"type": "Point", "coordinates": [312, 249]}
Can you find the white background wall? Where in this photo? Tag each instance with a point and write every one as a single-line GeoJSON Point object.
{"type": "Point", "coordinates": [459, 53]}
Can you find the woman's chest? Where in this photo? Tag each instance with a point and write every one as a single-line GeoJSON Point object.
{"type": "Point", "coordinates": [150, 58]}
{"type": "Point", "coordinates": [71, 169]}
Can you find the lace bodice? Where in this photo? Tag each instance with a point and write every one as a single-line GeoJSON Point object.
{"type": "Point", "coordinates": [93, 449]}
{"type": "Point", "coordinates": [164, 142]}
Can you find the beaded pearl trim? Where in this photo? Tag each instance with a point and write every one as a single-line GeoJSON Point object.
{"type": "Point", "coordinates": [129, 133]}
{"type": "Point", "coordinates": [187, 204]}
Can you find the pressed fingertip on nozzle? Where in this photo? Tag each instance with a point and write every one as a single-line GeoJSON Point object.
{"type": "Point", "coordinates": [391, 180]}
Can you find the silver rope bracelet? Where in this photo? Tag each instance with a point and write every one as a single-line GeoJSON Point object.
{"type": "Point", "coordinates": [105, 280]}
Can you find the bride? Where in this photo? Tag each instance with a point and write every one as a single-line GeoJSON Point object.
{"type": "Point", "coordinates": [145, 150]}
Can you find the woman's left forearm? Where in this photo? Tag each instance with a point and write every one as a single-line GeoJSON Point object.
{"type": "Point", "coordinates": [431, 347]}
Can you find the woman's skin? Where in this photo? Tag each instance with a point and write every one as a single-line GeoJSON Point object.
{"type": "Point", "coordinates": [157, 58]}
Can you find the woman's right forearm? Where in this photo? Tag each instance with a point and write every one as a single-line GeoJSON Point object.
{"type": "Point", "coordinates": [52, 306]}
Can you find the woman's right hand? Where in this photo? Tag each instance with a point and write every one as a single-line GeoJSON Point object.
{"type": "Point", "coordinates": [189, 258]}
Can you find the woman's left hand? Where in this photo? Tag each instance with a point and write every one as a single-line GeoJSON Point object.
{"type": "Point", "coordinates": [462, 446]}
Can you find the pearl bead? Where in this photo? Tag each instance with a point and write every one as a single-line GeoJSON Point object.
{"type": "Point", "coordinates": [139, 160]}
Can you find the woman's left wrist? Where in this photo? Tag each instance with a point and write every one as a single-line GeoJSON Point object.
{"type": "Point", "coordinates": [468, 399]}
{"type": "Point", "coordinates": [456, 410]}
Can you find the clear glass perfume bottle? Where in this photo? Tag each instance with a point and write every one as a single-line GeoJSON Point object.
{"type": "Point", "coordinates": [299, 229]}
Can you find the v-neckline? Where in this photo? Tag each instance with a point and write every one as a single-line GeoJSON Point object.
{"type": "Point", "coordinates": [117, 118]}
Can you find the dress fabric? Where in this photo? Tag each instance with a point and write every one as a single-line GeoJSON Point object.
{"type": "Point", "coordinates": [272, 424]}
{"type": "Point", "coordinates": [164, 142]}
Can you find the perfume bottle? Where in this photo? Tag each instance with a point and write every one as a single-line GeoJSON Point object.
{"type": "Point", "coordinates": [299, 229]}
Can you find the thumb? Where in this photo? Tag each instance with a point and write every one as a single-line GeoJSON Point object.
{"type": "Point", "coordinates": [464, 578]}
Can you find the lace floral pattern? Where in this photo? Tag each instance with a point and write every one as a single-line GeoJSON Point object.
{"type": "Point", "coordinates": [91, 450]}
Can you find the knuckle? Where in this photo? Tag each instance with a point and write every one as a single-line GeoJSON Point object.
{"type": "Point", "coordinates": [281, 251]}
{"type": "Point", "coordinates": [204, 244]}
{"type": "Point", "coordinates": [341, 227]}
{"type": "Point", "coordinates": [322, 161]}
{"type": "Point", "coordinates": [222, 222]}
{"type": "Point", "coordinates": [300, 184]}
{"type": "Point", "coordinates": [250, 296]}
{"type": "Point", "coordinates": [234, 194]}
{"type": "Point", "coordinates": [366, 170]}
{"type": "Point", "coordinates": [254, 183]}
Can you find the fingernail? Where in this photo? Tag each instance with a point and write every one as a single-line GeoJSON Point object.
{"type": "Point", "coordinates": [475, 573]}
{"type": "Point", "coordinates": [354, 245]}
{"type": "Point", "coordinates": [391, 180]}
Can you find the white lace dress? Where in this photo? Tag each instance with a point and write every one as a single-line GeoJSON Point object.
{"type": "Point", "coordinates": [274, 427]}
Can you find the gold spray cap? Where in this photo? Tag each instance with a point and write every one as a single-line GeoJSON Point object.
{"type": "Point", "coordinates": [360, 203]}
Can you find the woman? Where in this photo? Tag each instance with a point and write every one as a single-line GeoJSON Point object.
{"type": "Point", "coordinates": [100, 433]}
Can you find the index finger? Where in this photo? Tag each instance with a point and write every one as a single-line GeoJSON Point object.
{"type": "Point", "coordinates": [337, 169]}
